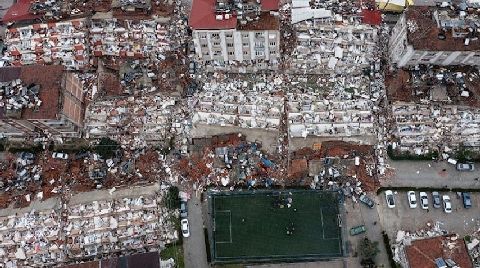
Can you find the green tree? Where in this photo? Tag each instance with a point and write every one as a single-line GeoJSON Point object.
{"type": "Point", "coordinates": [172, 200]}
{"type": "Point", "coordinates": [368, 250]}
{"type": "Point", "coordinates": [106, 148]}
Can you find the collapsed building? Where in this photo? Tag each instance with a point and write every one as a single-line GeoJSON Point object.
{"type": "Point", "coordinates": [57, 108]}
{"type": "Point", "coordinates": [59, 43]}
{"type": "Point", "coordinates": [68, 231]}
{"type": "Point", "coordinates": [435, 108]}
{"type": "Point", "coordinates": [241, 35]}
{"type": "Point", "coordinates": [239, 103]}
{"type": "Point", "coordinates": [332, 38]}
{"type": "Point", "coordinates": [128, 38]}
{"type": "Point", "coordinates": [445, 35]}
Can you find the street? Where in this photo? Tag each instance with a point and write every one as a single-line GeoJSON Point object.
{"type": "Point", "coordinates": [430, 174]}
{"type": "Point", "coordinates": [194, 246]}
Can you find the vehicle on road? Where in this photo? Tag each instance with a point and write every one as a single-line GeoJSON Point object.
{"type": "Point", "coordinates": [183, 209]}
{"type": "Point", "coordinates": [423, 200]}
{"type": "Point", "coordinates": [60, 156]}
{"type": "Point", "coordinates": [436, 200]}
{"type": "Point", "coordinates": [447, 204]}
{"type": "Point", "coordinates": [412, 199]}
{"type": "Point", "coordinates": [465, 167]}
{"type": "Point", "coordinates": [367, 201]}
{"type": "Point", "coordinates": [192, 67]}
{"type": "Point", "coordinates": [360, 229]}
{"type": "Point", "coordinates": [185, 228]}
{"type": "Point", "coordinates": [467, 200]}
{"type": "Point", "coordinates": [390, 199]}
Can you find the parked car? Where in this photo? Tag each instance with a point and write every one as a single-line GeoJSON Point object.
{"type": "Point", "coordinates": [412, 199]}
{"type": "Point", "coordinates": [81, 155]}
{"type": "Point", "coordinates": [358, 230]}
{"type": "Point", "coordinates": [423, 200]}
{"type": "Point", "coordinates": [192, 67]}
{"type": "Point", "coordinates": [185, 228]}
{"type": "Point", "coordinates": [27, 156]}
{"type": "Point", "coordinates": [390, 198]}
{"type": "Point", "coordinates": [60, 156]}
{"type": "Point", "coordinates": [183, 209]}
{"type": "Point", "coordinates": [447, 204]}
{"type": "Point", "coordinates": [367, 200]}
{"type": "Point", "coordinates": [436, 200]}
{"type": "Point", "coordinates": [467, 200]}
{"type": "Point", "coordinates": [465, 167]}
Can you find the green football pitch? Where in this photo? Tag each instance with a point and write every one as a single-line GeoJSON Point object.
{"type": "Point", "coordinates": [261, 226]}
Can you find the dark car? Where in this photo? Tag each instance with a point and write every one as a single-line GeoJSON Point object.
{"type": "Point", "coordinates": [367, 200]}
{"type": "Point", "coordinates": [81, 155]}
{"type": "Point", "coordinates": [436, 200]}
{"type": "Point", "coordinates": [467, 200]}
{"type": "Point", "coordinates": [183, 209]}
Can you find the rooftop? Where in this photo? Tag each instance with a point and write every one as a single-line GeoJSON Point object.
{"type": "Point", "coordinates": [422, 253]}
{"type": "Point", "coordinates": [266, 21]}
{"type": "Point", "coordinates": [203, 17]}
{"type": "Point", "coordinates": [144, 260]}
{"type": "Point", "coordinates": [19, 11]}
{"type": "Point", "coordinates": [48, 77]}
{"type": "Point", "coordinates": [423, 32]}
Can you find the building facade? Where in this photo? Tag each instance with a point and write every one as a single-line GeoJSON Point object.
{"type": "Point", "coordinates": [244, 37]}
{"type": "Point", "coordinates": [430, 35]}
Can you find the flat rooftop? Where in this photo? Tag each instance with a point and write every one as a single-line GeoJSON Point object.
{"type": "Point", "coordinates": [49, 77]}
{"type": "Point", "coordinates": [425, 35]}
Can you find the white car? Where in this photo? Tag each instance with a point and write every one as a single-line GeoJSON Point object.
{"type": "Point", "coordinates": [390, 199]}
{"type": "Point", "coordinates": [60, 156]}
{"type": "Point", "coordinates": [412, 199]}
{"type": "Point", "coordinates": [447, 205]}
{"type": "Point", "coordinates": [185, 228]}
{"type": "Point", "coordinates": [423, 200]}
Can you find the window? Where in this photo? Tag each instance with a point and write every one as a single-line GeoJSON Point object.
{"type": "Point", "coordinates": [216, 44]}
{"type": "Point", "coordinates": [273, 52]}
{"type": "Point", "coordinates": [273, 44]}
{"type": "Point", "coordinates": [229, 44]}
{"type": "Point", "coordinates": [228, 35]}
{"type": "Point", "coordinates": [245, 52]}
{"type": "Point", "coordinates": [258, 34]}
{"type": "Point", "coordinates": [259, 53]}
{"type": "Point", "coordinates": [215, 35]}
{"type": "Point", "coordinates": [231, 53]}
{"type": "Point", "coordinates": [203, 36]}
{"type": "Point", "coordinates": [245, 35]}
{"type": "Point", "coordinates": [245, 44]}
{"type": "Point", "coordinates": [204, 45]}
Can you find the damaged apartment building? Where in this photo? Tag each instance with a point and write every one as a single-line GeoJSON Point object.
{"type": "Point", "coordinates": [60, 43]}
{"type": "Point", "coordinates": [435, 108]}
{"type": "Point", "coordinates": [246, 105]}
{"type": "Point", "coordinates": [236, 35]}
{"type": "Point", "coordinates": [448, 35]}
{"type": "Point", "coordinates": [332, 37]}
{"type": "Point", "coordinates": [39, 101]}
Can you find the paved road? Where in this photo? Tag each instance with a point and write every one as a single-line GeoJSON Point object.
{"type": "Point", "coordinates": [461, 221]}
{"type": "Point", "coordinates": [430, 174]}
{"type": "Point", "coordinates": [194, 246]}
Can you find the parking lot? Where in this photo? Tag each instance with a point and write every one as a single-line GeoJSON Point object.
{"type": "Point", "coordinates": [461, 220]}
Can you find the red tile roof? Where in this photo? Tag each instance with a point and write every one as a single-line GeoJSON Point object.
{"type": "Point", "coordinates": [422, 253]}
{"type": "Point", "coordinates": [268, 5]}
{"type": "Point", "coordinates": [202, 17]}
{"type": "Point", "coordinates": [19, 11]}
{"type": "Point", "coordinates": [372, 17]}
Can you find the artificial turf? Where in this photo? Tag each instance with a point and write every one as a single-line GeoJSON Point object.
{"type": "Point", "coordinates": [253, 227]}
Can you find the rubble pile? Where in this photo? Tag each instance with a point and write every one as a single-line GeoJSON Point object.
{"type": "Point", "coordinates": [69, 233]}
{"type": "Point", "coordinates": [240, 103]}
{"type": "Point", "coordinates": [334, 40]}
{"type": "Point", "coordinates": [31, 239]}
{"type": "Point", "coordinates": [105, 227]}
{"type": "Point", "coordinates": [423, 127]}
{"type": "Point", "coordinates": [15, 95]}
{"type": "Point", "coordinates": [129, 38]}
{"type": "Point", "coordinates": [61, 43]}
{"type": "Point", "coordinates": [148, 118]}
